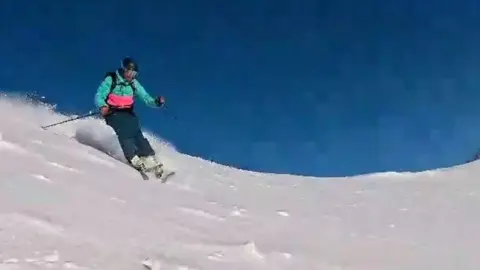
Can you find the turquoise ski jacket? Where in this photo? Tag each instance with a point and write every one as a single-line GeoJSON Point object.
{"type": "Point", "coordinates": [123, 95]}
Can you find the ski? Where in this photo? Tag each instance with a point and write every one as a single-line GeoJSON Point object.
{"type": "Point", "coordinates": [165, 175]}
{"type": "Point", "coordinates": [142, 173]}
{"type": "Point", "coordinates": [159, 172]}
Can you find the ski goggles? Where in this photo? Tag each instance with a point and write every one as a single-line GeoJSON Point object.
{"type": "Point", "coordinates": [131, 74]}
{"type": "Point", "coordinates": [130, 70]}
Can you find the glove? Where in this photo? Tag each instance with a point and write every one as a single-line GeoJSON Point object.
{"type": "Point", "coordinates": [104, 111]}
{"type": "Point", "coordinates": [160, 101]}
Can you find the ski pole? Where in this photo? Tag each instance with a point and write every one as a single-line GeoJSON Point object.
{"type": "Point", "coordinates": [171, 114]}
{"type": "Point", "coordinates": [71, 119]}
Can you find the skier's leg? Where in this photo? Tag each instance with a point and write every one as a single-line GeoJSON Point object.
{"type": "Point", "coordinates": [146, 152]}
{"type": "Point", "coordinates": [128, 147]}
{"type": "Point", "coordinates": [144, 148]}
{"type": "Point", "coordinates": [122, 125]}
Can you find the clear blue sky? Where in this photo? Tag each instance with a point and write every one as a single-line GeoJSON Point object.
{"type": "Point", "coordinates": [308, 87]}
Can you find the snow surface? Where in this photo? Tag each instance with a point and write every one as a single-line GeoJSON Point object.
{"type": "Point", "coordinates": [64, 204]}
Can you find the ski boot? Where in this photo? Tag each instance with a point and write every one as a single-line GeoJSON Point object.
{"type": "Point", "coordinates": [137, 163]}
{"type": "Point", "coordinates": [151, 164]}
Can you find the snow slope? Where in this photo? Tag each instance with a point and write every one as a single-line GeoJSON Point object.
{"type": "Point", "coordinates": [66, 205]}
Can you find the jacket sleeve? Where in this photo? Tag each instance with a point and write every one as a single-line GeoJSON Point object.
{"type": "Point", "coordinates": [144, 95]}
{"type": "Point", "coordinates": [102, 92]}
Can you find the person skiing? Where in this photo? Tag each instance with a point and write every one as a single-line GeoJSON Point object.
{"type": "Point", "coordinates": [115, 100]}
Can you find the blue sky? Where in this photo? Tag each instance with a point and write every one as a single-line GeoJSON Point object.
{"type": "Point", "coordinates": [324, 88]}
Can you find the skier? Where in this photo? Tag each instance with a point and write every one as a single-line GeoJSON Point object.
{"type": "Point", "coordinates": [115, 100]}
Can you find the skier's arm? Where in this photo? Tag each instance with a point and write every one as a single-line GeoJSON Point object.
{"type": "Point", "coordinates": [144, 95]}
{"type": "Point", "coordinates": [102, 92]}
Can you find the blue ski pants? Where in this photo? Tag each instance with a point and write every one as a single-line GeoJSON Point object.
{"type": "Point", "coordinates": [129, 134]}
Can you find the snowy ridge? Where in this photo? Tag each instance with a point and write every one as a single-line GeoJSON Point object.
{"type": "Point", "coordinates": [66, 205]}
